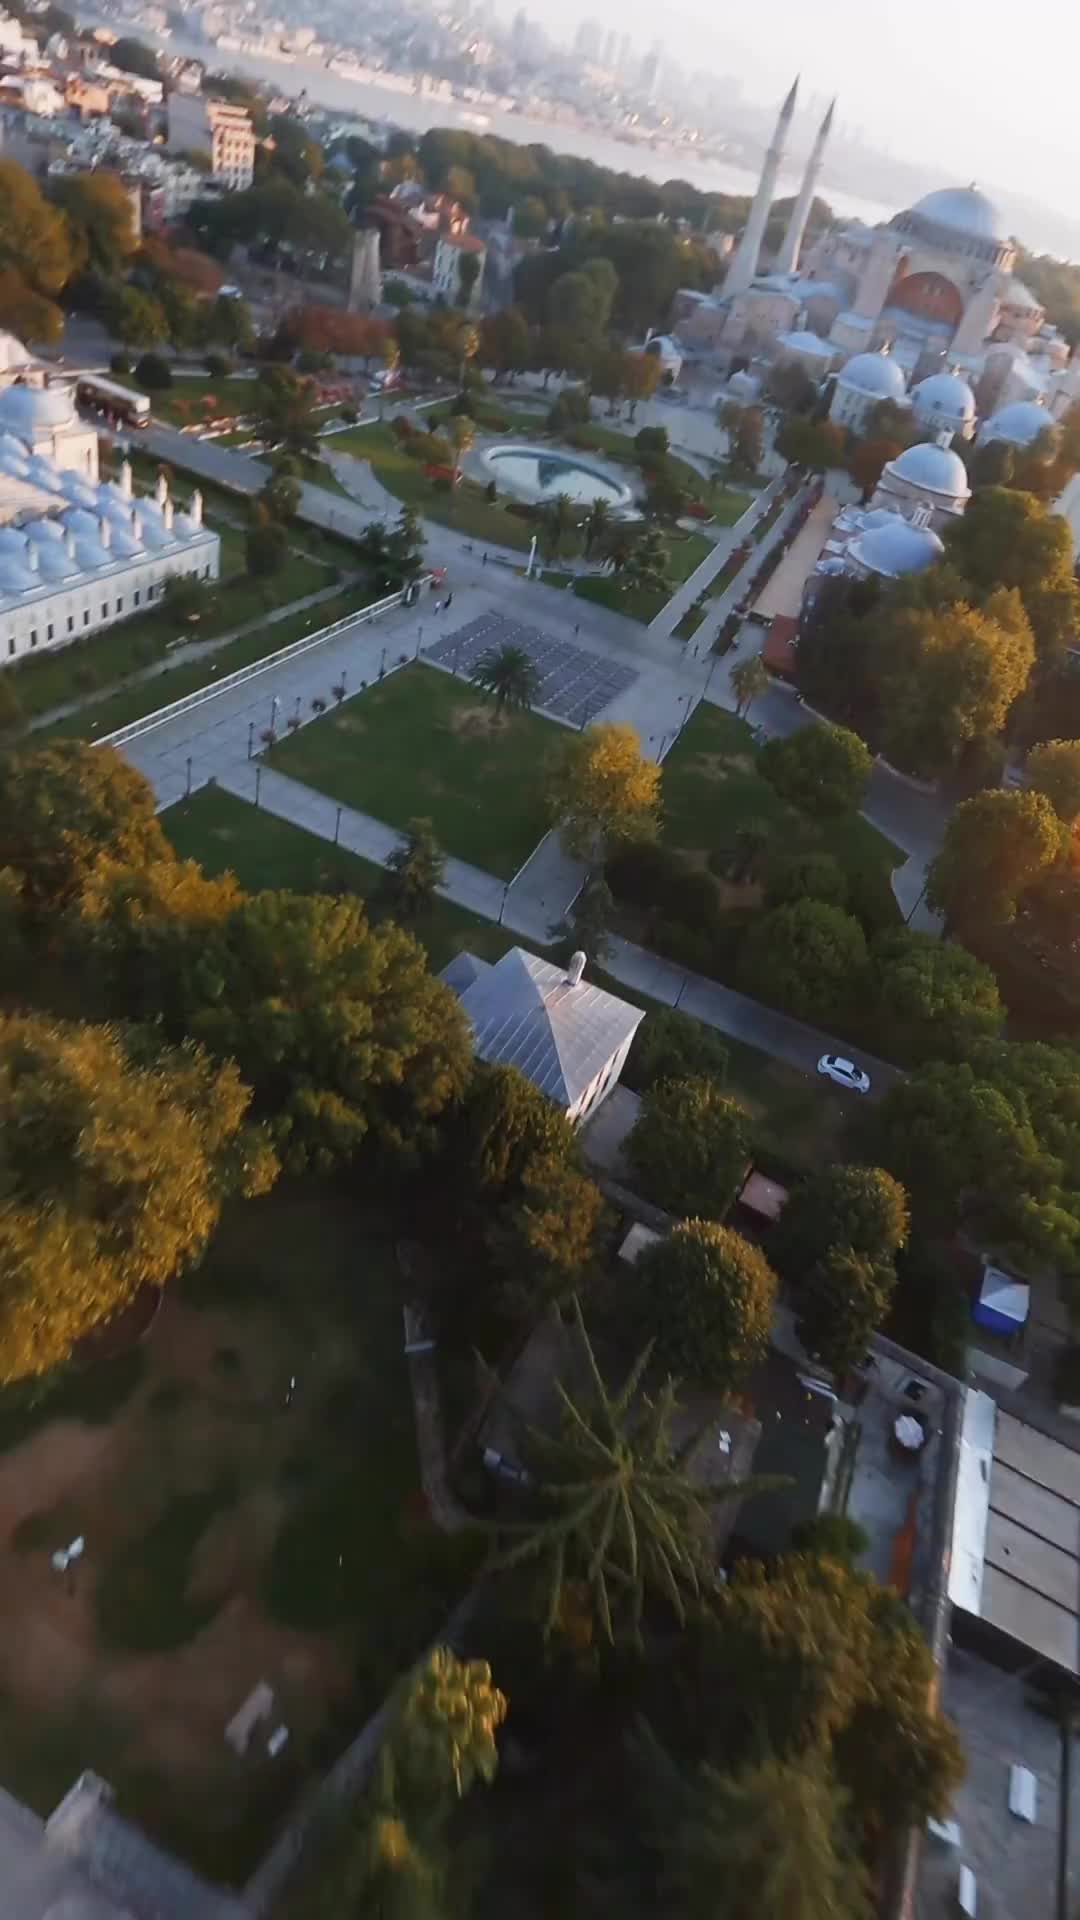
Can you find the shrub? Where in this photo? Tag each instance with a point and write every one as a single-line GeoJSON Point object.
{"type": "Point", "coordinates": [217, 366]}
{"type": "Point", "coordinates": [120, 363]}
{"type": "Point", "coordinates": [142, 1601]}
{"type": "Point", "coordinates": [153, 373]}
{"type": "Point", "coordinates": [834, 1536]}
{"type": "Point", "coordinates": [805, 876]}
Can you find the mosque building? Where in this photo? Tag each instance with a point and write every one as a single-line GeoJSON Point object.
{"type": "Point", "coordinates": [77, 553]}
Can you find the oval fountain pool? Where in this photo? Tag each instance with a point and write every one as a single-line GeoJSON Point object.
{"type": "Point", "coordinates": [540, 473]}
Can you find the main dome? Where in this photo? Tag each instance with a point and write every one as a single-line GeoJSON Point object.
{"type": "Point", "coordinates": [964, 210]}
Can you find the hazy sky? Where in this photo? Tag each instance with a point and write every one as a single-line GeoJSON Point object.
{"type": "Point", "coordinates": [987, 93]}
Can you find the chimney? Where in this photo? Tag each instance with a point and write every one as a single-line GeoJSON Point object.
{"type": "Point", "coordinates": [195, 509]}
{"type": "Point", "coordinates": [161, 491]}
{"type": "Point", "coordinates": [167, 515]}
{"type": "Point", "coordinates": [33, 557]}
{"type": "Point", "coordinates": [575, 970]}
{"type": "Point", "coordinates": [105, 533]}
{"type": "Point", "coordinates": [125, 479]}
{"type": "Point", "coordinates": [69, 544]}
{"type": "Point", "coordinates": [136, 525]}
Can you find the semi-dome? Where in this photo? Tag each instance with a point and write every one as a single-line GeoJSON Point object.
{"type": "Point", "coordinates": [29, 410]}
{"type": "Point", "coordinates": [962, 209]}
{"type": "Point", "coordinates": [944, 397]}
{"type": "Point", "coordinates": [933, 469]}
{"type": "Point", "coordinates": [876, 373]}
{"type": "Point", "coordinates": [1020, 424]}
{"type": "Point", "coordinates": [897, 549]}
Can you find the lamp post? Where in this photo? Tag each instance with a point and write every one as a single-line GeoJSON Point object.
{"type": "Point", "coordinates": [187, 789]}
{"type": "Point", "coordinates": [258, 783]}
{"type": "Point", "coordinates": [251, 738]}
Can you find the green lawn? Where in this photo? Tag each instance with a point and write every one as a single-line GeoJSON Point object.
{"type": "Point", "coordinates": [146, 696]}
{"type": "Point", "coordinates": [422, 743]}
{"type": "Point", "coordinates": [685, 554]}
{"type": "Point", "coordinates": [712, 788]}
{"type": "Point", "coordinates": [188, 401]}
{"type": "Point", "coordinates": [467, 509]}
{"type": "Point", "coordinates": [227, 835]}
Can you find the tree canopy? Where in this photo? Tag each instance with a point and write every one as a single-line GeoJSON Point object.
{"type": "Point", "coordinates": [690, 1147]}
{"type": "Point", "coordinates": [1053, 769]}
{"type": "Point", "coordinates": [949, 676]}
{"type": "Point", "coordinates": [116, 1158]}
{"type": "Point", "coordinates": [602, 789]}
{"type": "Point", "coordinates": [807, 958]}
{"type": "Point", "coordinates": [843, 1299]}
{"type": "Point", "coordinates": [858, 1207]}
{"type": "Point", "coordinates": [996, 846]}
{"type": "Point", "coordinates": [1008, 538]}
{"type": "Point", "coordinates": [934, 998]}
{"type": "Point", "coordinates": [820, 769]}
{"type": "Point", "coordinates": [68, 806]}
{"type": "Point", "coordinates": [706, 1295]}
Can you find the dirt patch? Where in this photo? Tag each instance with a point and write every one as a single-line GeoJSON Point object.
{"type": "Point", "coordinates": [739, 893]}
{"type": "Point", "coordinates": [478, 722]}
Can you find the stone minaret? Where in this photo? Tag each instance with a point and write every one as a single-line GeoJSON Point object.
{"type": "Point", "coordinates": [787, 260]}
{"type": "Point", "coordinates": [365, 273]}
{"type": "Point", "coordinates": [745, 264]}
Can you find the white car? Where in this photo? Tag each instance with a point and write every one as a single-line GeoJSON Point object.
{"type": "Point", "coordinates": [844, 1073]}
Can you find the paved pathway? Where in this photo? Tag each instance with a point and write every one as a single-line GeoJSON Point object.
{"type": "Point", "coordinates": [669, 616]}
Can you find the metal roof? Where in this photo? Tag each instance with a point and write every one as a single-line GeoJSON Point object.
{"type": "Point", "coordinates": [526, 1013]}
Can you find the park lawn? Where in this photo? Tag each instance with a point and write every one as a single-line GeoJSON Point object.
{"type": "Point", "coordinates": [467, 509]}
{"type": "Point", "coordinates": [712, 788]}
{"type": "Point", "coordinates": [685, 554]}
{"type": "Point", "coordinates": [187, 401]}
{"type": "Point", "coordinates": [228, 835]}
{"type": "Point", "coordinates": [247, 1483]}
{"type": "Point", "coordinates": [421, 743]}
{"type": "Point", "coordinates": [132, 702]}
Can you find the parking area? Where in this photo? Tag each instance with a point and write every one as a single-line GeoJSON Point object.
{"type": "Point", "coordinates": [574, 685]}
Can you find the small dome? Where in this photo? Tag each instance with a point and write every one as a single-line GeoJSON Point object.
{"type": "Point", "coordinates": [897, 549]}
{"type": "Point", "coordinates": [16, 576]}
{"type": "Point", "coordinates": [30, 410]}
{"type": "Point", "coordinates": [803, 341]}
{"type": "Point", "coordinates": [945, 397]}
{"type": "Point", "coordinates": [1017, 294]}
{"type": "Point", "coordinates": [934, 469]}
{"type": "Point", "coordinates": [963, 210]}
{"type": "Point", "coordinates": [1019, 424]}
{"type": "Point", "coordinates": [876, 373]}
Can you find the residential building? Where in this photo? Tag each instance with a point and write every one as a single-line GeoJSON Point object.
{"type": "Point", "coordinates": [218, 129]}
{"type": "Point", "coordinates": [568, 1037]}
{"type": "Point", "coordinates": [450, 250]}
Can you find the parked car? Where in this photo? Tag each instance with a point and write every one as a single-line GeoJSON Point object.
{"type": "Point", "coordinates": [844, 1073]}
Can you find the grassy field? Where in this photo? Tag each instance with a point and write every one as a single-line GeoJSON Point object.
{"type": "Point", "coordinates": [712, 788]}
{"type": "Point", "coordinates": [422, 743]}
{"type": "Point", "coordinates": [188, 401]}
{"type": "Point", "coordinates": [146, 696]}
{"type": "Point", "coordinates": [467, 509]}
{"type": "Point", "coordinates": [685, 554]}
{"type": "Point", "coordinates": [247, 1484]}
{"type": "Point", "coordinates": [226, 835]}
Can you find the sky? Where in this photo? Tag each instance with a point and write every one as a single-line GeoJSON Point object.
{"type": "Point", "coordinates": [988, 93]}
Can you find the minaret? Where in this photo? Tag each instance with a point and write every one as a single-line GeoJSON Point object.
{"type": "Point", "coordinates": [787, 259]}
{"type": "Point", "coordinates": [744, 266]}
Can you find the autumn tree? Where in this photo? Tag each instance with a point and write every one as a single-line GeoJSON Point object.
{"type": "Point", "coordinates": [602, 790]}
{"type": "Point", "coordinates": [117, 1156]}
{"type": "Point", "coordinates": [996, 846]}
{"type": "Point", "coordinates": [807, 958]}
{"type": "Point", "coordinates": [414, 871]}
{"type": "Point", "coordinates": [934, 998]}
{"type": "Point", "coordinates": [640, 379]}
{"type": "Point", "coordinates": [842, 1300]}
{"type": "Point", "coordinates": [283, 403]}
{"type": "Point", "coordinates": [504, 342]}
{"type": "Point", "coordinates": [690, 1147]}
{"type": "Point", "coordinates": [746, 442]}
{"type": "Point", "coordinates": [443, 1725]}
{"type": "Point", "coordinates": [867, 459]}
{"type": "Point", "coordinates": [100, 216]}
{"type": "Point", "coordinates": [823, 770]}
{"type": "Point", "coordinates": [950, 676]}
{"type": "Point", "coordinates": [1053, 769]}
{"type": "Point", "coordinates": [67, 806]}
{"type": "Point", "coordinates": [28, 313]}
{"type": "Point", "coordinates": [547, 1240]}
{"type": "Point", "coordinates": [36, 257]}
{"type": "Point", "coordinates": [749, 680]}
{"type": "Point", "coordinates": [706, 1296]}
{"type": "Point", "coordinates": [1008, 538]}
{"type": "Point", "coordinates": [861, 1208]}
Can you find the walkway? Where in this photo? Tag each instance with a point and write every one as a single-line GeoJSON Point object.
{"type": "Point", "coordinates": [683, 598]}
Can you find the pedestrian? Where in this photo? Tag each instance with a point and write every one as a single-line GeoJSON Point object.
{"type": "Point", "coordinates": [577, 628]}
{"type": "Point", "coordinates": [485, 556]}
{"type": "Point", "coordinates": [446, 604]}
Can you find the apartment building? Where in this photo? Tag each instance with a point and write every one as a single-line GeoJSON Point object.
{"type": "Point", "coordinates": [216, 128]}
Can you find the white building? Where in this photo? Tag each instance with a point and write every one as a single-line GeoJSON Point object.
{"type": "Point", "coordinates": [218, 129]}
{"type": "Point", "coordinates": [450, 250]}
{"type": "Point", "coordinates": [568, 1037]}
{"type": "Point", "coordinates": [77, 553]}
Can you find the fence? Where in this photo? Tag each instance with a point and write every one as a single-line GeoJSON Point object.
{"type": "Point", "coordinates": [135, 728]}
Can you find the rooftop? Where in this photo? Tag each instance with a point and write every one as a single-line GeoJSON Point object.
{"type": "Point", "coordinates": [560, 1031]}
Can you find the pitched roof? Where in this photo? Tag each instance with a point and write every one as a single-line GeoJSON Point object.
{"type": "Point", "coordinates": [525, 1013]}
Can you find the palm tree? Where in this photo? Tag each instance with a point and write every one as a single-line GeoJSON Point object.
{"type": "Point", "coordinates": [462, 435]}
{"type": "Point", "coordinates": [749, 678]}
{"type": "Point", "coordinates": [560, 522]}
{"type": "Point", "coordinates": [509, 675]}
{"type": "Point", "coordinates": [597, 522]}
{"type": "Point", "coordinates": [618, 1510]}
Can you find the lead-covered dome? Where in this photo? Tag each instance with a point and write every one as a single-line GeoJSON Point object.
{"type": "Point", "coordinates": [894, 550]}
{"type": "Point", "coordinates": [876, 373]}
{"type": "Point", "coordinates": [944, 399]}
{"type": "Point", "coordinates": [964, 210]}
{"type": "Point", "coordinates": [29, 410]}
{"type": "Point", "coordinates": [1019, 424]}
{"type": "Point", "coordinates": [932, 469]}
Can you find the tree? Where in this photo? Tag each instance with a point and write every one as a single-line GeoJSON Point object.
{"type": "Point", "coordinates": [498, 1127]}
{"type": "Point", "coordinates": [414, 871]}
{"type": "Point", "coordinates": [405, 547]}
{"type": "Point", "coordinates": [665, 496]}
{"type": "Point", "coordinates": [587, 926]}
{"type": "Point", "coordinates": [509, 675]}
{"type": "Point", "coordinates": [264, 549]}
{"type": "Point", "coordinates": [867, 459]}
{"type": "Point", "coordinates": [115, 1160]}
{"type": "Point", "coordinates": [767, 1842]}
{"type": "Point", "coordinates": [843, 1299]}
{"type": "Point", "coordinates": [134, 56]}
{"type": "Point", "coordinates": [283, 407]}
{"type": "Point", "coordinates": [672, 1046]}
{"type": "Point", "coordinates": [597, 525]}
{"type": "Point", "coordinates": [648, 565]}
{"type": "Point", "coordinates": [601, 790]}
{"type": "Point", "coordinates": [280, 497]}
{"type": "Point", "coordinates": [748, 442]}
{"type": "Point", "coordinates": [861, 1208]}
{"type": "Point", "coordinates": [1007, 538]}
{"type": "Point", "coordinates": [99, 211]}
{"type": "Point", "coordinates": [996, 846]}
{"type": "Point", "coordinates": [708, 1296]}
{"type": "Point", "coordinates": [462, 434]}
{"type": "Point", "coordinates": [548, 1241]}
{"type": "Point", "coordinates": [67, 807]}
{"type": "Point", "coordinates": [935, 998]}
{"type": "Point", "coordinates": [617, 1511]}
{"type": "Point", "coordinates": [136, 319]}
{"type": "Point", "coordinates": [640, 379]}
{"type": "Point", "coordinates": [28, 314]}
{"type": "Point", "coordinates": [35, 240]}
{"type": "Point", "coordinates": [559, 531]}
{"type": "Point", "coordinates": [817, 445]}
{"type": "Point", "coordinates": [949, 675]}
{"type": "Point", "coordinates": [504, 342]}
{"type": "Point", "coordinates": [822, 770]}
{"type": "Point", "coordinates": [1053, 769]}
{"type": "Point", "coordinates": [690, 1147]}
{"type": "Point", "coordinates": [809, 875]}
{"type": "Point", "coordinates": [749, 680]}
{"type": "Point", "coordinates": [445, 1718]}
{"type": "Point", "coordinates": [808, 959]}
